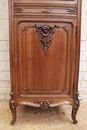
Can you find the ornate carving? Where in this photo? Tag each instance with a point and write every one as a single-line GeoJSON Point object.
{"type": "Point", "coordinates": [72, 11]}
{"type": "Point", "coordinates": [44, 104]}
{"type": "Point", "coordinates": [45, 32]}
{"type": "Point", "coordinates": [18, 10]}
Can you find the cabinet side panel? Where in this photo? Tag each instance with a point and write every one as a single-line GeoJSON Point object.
{"type": "Point", "coordinates": [11, 44]}
{"type": "Point", "coordinates": [78, 46]}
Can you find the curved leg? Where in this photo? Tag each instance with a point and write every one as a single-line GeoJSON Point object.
{"type": "Point", "coordinates": [74, 112]}
{"type": "Point", "coordinates": [75, 109]}
{"type": "Point", "coordinates": [13, 109]}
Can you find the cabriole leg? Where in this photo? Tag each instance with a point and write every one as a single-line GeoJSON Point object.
{"type": "Point", "coordinates": [13, 109]}
{"type": "Point", "coordinates": [75, 109]}
{"type": "Point", "coordinates": [74, 112]}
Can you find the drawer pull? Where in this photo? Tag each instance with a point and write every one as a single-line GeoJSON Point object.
{"type": "Point", "coordinates": [45, 10]}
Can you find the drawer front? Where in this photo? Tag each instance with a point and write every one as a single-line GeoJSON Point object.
{"type": "Point", "coordinates": [45, 11]}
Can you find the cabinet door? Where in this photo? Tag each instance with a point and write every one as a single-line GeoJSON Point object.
{"type": "Point", "coordinates": [45, 58]}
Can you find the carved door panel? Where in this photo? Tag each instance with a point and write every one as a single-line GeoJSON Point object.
{"type": "Point", "coordinates": [45, 62]}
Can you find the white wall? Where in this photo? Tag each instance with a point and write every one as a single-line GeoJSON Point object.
{"type": "Point", "coordinates": [83, 56]}
{"type": "Point", "coordinates": [4, 52]}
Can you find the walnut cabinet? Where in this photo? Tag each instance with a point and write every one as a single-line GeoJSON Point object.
{"type": "Point", "coordinates": [44, 53]}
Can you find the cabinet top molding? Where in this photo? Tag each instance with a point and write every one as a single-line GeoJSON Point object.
{"type": "Point", "coordinates": [47, 1]}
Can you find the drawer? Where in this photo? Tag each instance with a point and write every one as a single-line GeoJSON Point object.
{"type": "Point", "coordinates": [44, 11]}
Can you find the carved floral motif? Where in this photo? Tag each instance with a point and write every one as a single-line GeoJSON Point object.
{"type": "Point", "coordinates": [70, 10]}
{"type": "Point", "coordinates": [18, 10]}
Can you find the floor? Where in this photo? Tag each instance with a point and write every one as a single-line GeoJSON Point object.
{"type": "Point", "coordinates": [29, 118]}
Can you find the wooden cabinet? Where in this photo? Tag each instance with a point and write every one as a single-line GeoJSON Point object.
{"type": "Point", "coordinates": [44, 53]}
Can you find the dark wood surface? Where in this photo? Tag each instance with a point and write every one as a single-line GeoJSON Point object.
{"type": "Point", "coordinates": [44, 53]}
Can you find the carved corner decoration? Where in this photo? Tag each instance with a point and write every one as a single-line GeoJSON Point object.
{"type": "Point", "coordinates": [45, 33]}
{"type": "Point", "coordinates": [44, 104]}
{"type": "Point", "coordinates": [72, 11]}
{"type": "Point", "coordinates": [18, 10]}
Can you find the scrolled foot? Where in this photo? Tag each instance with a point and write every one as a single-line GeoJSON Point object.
{"type": "Point", "coordinates": [74, 112]}
{"type": "Point", "coordinates": [12, 122]}
{"type": "Point", "coordinates": [75, 121]}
